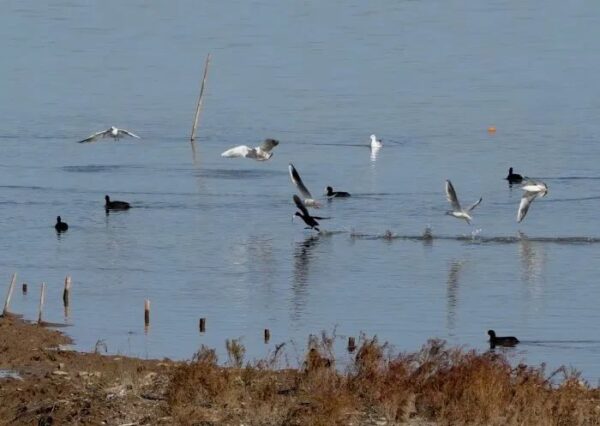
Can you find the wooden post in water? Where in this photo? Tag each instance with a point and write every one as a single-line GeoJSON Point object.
{"type": "Point", "coordinates": [267, 335]}
{"type": "Point", "coordinates": [42, 298]}
{"type": "Point", "coordinates": [199, 105]}
{"type": "Point", "coordinates": [147, 312]}
{"type": "Point", "coordinates": [351, 344]}
{"type": "Point", "coordinates": [67, 291]}
{"type": "Point", "coordinates": [202, 325]}
{"type": "Point", "coordinates": [24, 288]}
{"type": "Point", "coordinates": [9, 294]}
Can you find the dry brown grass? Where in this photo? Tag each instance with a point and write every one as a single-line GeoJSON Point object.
{"type": "Point", "coordinates": [437, 384]}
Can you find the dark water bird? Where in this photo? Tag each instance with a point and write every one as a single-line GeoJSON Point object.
{"type": "Point", "coordinates": [308, 201]}
{"type": "Point", "coordinates": [60, 225]}
{"type": "Point", "coordinates": [457, 211]}
{"type": "Point", "coordinates": [113, 132]}
{"type": "Point", "coordinates": [311, 221]}
{"type": "Point", "coordinates": [259, 153]}
{"type": "Point", "coordinates": [513, 177]}
{"type": "Point", "coordinates": [533, 189]}
{"type": "Point", "coordinates": [501, 340]}
{"type": "Point", "coordinates": [115, 205]}
{"type": "Point", "coordinates": [335, 194]}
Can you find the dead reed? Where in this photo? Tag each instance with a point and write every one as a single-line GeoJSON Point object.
{"type": "Point", "coordinates": [436, 385]}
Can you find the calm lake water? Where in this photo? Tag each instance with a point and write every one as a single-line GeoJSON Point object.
{"type": "Point", "coordinates": [214, 238]}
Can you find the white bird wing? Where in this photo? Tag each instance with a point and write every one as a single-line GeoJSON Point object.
{"type": "Point", "coordinates": [451, 195]}
{"type": "Point", "coordinates": [298, 182]}
{"type": "Point", "coordinates": [475, 204]}
{"type": "Point", "coordinates": [526, 201]}
{"type": "Point", "coordinates": [239, 151]}
{"type": "Point", "coordinates": [95, 136]}
{"type": "Point", "coordinates": [268, 145]}
{"type": "Point", "coordinates": [126, 132]}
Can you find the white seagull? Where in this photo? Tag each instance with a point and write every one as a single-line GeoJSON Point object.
{"type": "Point", "coordinates": [113, 132]}
{"type": "Point", "coordinates": [457, 211]}
{"type": "Point", "coordinates": [306, 195]}
{"type": "Point", "coordinates": [375, 143]}
{"type": "Point", "coordinates": [533, 189]}
{"type": "Point", "coordinates": [259, 153]}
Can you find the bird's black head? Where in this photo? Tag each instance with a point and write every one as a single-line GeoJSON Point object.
{"type": "Point", "coordinates": [298, 214]}
{"type": "Point", "coordinates": [329, 190]}
{"type": "Point", "coordinates": [510, 171]}
{"type": "Point", "coordinates": [57, 219]}
{"type": "Point", "coordinates": [492, 333]}
{"type": "Point", "coordinates": [107, 198]}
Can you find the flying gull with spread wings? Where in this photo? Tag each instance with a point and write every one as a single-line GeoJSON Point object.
{"type": "Point", "coordinates": [457, 211]}
{"type": "Point", "coordinates": [259, 153]}
{"type": "Point", "coordinates": [113, 132]}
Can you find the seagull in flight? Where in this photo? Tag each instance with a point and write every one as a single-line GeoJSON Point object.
{"type": "Point", "coordinates": [309, 201]}
{"type": "Point", "coordinates": [533, 189]}
{"type": "Point", "coordinates": [311, 221]}
{"type": "Point", "coordinates": [259, 153]}
{"type": "Point", "coordinates": [113, 132]}
{"type": "Point", "coordinates": [457, 211]}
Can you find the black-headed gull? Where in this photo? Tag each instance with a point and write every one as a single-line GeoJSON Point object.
{"type": "Point", "coordinates": [375, 143]}
{"type": "Point", "coordinates": [113, 132]}
{"type": "Point", "coordinates": [259, 153]}
{"type": "Point", "coordinates": [306, 195]}
{"type": "Point", "coordinates": [311, 221]}
{"type": "Point", "coordinates": [457, 211]}
{"type": "Point", "coordinates": [533, 189]}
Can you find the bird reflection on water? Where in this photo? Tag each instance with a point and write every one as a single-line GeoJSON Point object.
{"type": "Point", "coordinates": [452, 293]}
{"type": "Point", "coordinates": [303, 254]}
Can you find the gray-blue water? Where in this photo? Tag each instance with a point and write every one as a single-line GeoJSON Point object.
{"type": "Point", "coordinates": [215, 238]}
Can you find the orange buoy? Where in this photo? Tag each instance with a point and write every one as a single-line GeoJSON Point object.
{"type": "Point", "coordinates": [492, 129]}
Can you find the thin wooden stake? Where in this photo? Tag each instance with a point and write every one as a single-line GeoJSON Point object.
{"type": "Point", "coordinates": [267, 335]}
{"type": "Point", "coordinates": [147, 312]}
{"type": "Point", "coordinates": [9, 294]}
{"type": "Point", "coordinates": [202, 325]}
{"type": "Point", "coordinates": [42, 298]}
{"type": "Point", "coordinates": [199, 105]}
{"type": "Point", "coordinates": [67, 291]}
{"type": "Point", "coordinates": [24, 288]}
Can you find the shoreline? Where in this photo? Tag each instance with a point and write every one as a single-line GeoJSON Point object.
{"type": "Point", "coordinates": [44, 384]}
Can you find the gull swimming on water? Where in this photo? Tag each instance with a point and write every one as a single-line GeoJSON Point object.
{"type": "Point", "coordinates": [533, 189]}
{"type": "Point", "coordinates": [113, 132]}
{"type": "Point", "coordinates": [457, 211]}
{"type": "Point", "coordinates": [259, 153]}
{"type": "Point", "coordinates": [306, 195]}
{"type": "Point", "coordinates": [375, 143]}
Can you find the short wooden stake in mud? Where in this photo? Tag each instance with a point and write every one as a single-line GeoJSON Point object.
{"type": "Point", "coordinates": [24, 288]}
{"type": "Point", "coordinates": [9, 294]}
{"type": "Point", "coordinates": [42, 298]}
{"type": "Point", "coordinates": [267, 335]}
{"type": "Point", "coordinates": [202, 325]}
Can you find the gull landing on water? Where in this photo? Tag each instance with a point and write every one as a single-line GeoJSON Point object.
{"type": "Point", "coordinates": [308, 198]}
{"type": "Point", "coordinates": [260, 153]}
{"type": "Point", "coordinates": [457, 211]}
{"type": "Point", "coordinates": [113, 132]}
{"type": "Point", "coordinates": [533, 189]}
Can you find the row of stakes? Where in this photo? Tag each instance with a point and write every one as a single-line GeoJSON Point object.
{"type": "Point", "coordinates": [66, 297]}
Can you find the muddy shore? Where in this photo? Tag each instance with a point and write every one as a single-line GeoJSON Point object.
{"type": "Point", "coordinates": [42, 382]}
